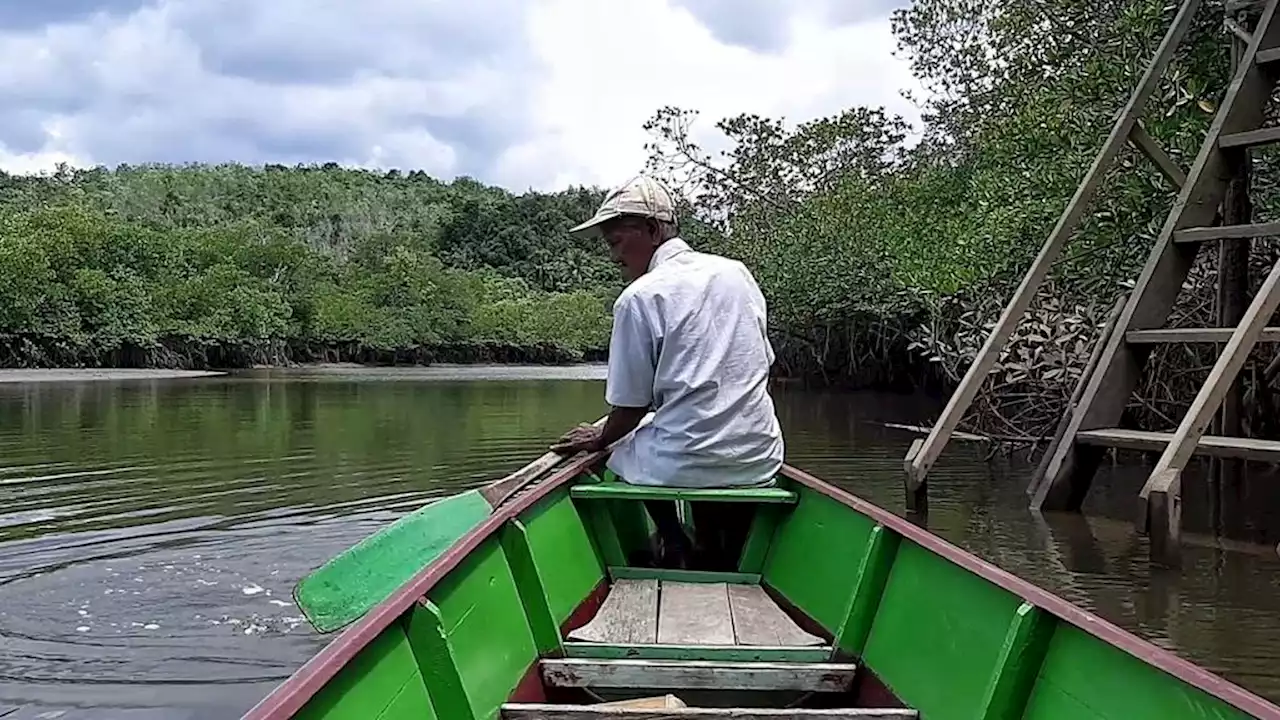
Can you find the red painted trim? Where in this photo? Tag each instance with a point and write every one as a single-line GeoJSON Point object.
{"type": "Point", "coordinates": [871, 692]}
{"type": "Point", "coordinates": [530, 688]}
{"type": "Point", "coordinates": [289, 697]}
{"type": "Point", "coordinates": [1088, 622]}
{"type": "Point", "coordinates": [586, 609]}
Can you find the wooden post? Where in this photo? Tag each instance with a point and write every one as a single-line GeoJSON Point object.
{"type": "Point", "coordinates": [1036, 488]}
{"type": "Point", "coordinates": [1162, 494]}
{"type": "Point", "coordinates": [1232, 290]}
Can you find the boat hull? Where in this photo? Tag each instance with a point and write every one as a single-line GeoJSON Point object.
{"type": "Point", "coordinates": [929, 626]}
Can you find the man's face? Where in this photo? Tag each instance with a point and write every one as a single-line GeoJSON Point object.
{"type": "Point", "coordinates": [631, 244]}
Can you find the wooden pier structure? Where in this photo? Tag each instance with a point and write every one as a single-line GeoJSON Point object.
{"type": "Point", "coordinates": [1212, 209]}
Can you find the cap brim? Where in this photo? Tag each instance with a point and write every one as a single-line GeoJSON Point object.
{"type": "Point", "coordinates": [591, 228]}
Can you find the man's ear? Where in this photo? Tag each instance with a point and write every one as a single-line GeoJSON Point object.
{"type": "Point", "coordinates": [655, 231]}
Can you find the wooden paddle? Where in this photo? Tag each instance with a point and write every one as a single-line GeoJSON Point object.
{"type": "Point", "coordinates": [356, 580]}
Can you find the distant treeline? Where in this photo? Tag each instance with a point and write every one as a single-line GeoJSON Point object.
{"type": "Point", "coordinates": [229, 265]}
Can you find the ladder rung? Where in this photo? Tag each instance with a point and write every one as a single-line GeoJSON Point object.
{"type": "Point", "coordinates": [1223, 232]}
{"type": "Point", "coordinates": [1266, 57]}
{"type": "Point", "coordinates": [1215, 445]}
{"type": "Point", "coordinates": [700, 675]}
{"type": "Point", "coordinates": [1249, 138]}
{"type": "Point", "coordinates": [1193, 335]}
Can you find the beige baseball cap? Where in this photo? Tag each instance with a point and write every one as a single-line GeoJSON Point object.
{"type": "Point", "coordinates": [641, 195]}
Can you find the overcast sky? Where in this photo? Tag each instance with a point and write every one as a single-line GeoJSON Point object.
{"type": "Point", "coordinates": [521, 93]}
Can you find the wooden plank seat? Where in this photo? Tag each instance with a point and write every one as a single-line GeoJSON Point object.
{"type": "Point", "coordinates": [627, 491]}
{"type": "Point", "coordinates": [538, 711]}
{"type": "Point", "coordinates": [698, 675]}
{"type": "Point", "coordinates": [660, 619]}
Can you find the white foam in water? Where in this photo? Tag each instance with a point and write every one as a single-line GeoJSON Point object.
{"type": "Point", "coordinates": [83, 628]}
{"type": "Point", "coordinates": [251, 589]}
{"type": "Point", "coordinates": [151, 626]}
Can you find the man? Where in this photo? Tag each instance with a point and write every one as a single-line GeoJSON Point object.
{"type": "Point", "coordinates": [689, 340]}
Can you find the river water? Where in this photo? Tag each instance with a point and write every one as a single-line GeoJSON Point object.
{"type": "Point", "coordinates": [151, 530]}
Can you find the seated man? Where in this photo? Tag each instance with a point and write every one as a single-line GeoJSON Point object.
{"type": "Point", "coordinates": [689, 341]}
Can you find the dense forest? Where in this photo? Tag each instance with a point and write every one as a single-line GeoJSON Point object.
{"type": "Point", "coordinates": [885, 252]}
{"type": "Point", "coordinates": [229, 265]}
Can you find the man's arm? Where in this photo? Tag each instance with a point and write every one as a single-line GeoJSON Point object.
{"type": "Point", "coordinates": [622, 420]}
{"type": "Point", "coordinates": [629, 385]}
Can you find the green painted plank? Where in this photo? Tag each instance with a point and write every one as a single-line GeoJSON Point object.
{"type": "Point", "coordinates": [759, 538]}
{"type": "Point", "coordinates": [563, 553]}
{"type": "Point", "coordinates": [873, 575]}
{"type": "Point", "coordinates": [384, 674]}
{"type": "Point", "coordinates": [691, 576]}
{"type": "Point", "coordinates": [356, 580]}
{"type": "Point", "coordinates": [626, 491]}
{"type": "Point", "coordinates": [542, 623]}
{"type": "Point", "coordinates": [425, 629]}
{"type": "Point", "coordinates": [409, 704]}
{"type": "Point", "coordinates": [1024, 649]}
{"type": "Point", "coordinates": [603, 534]}
{"type": "Point", "coordinates": [938, 634]}
{"type": "Point", "coordinates": [815, 556]}
{"type": "Point", "coordinates": [486, 627]}
{"type": "Point", "coordinates": [728, 653]}
{"type": "Point", "coordinates": [1083, 677]}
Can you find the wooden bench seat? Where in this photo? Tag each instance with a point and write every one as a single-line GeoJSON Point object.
{"type": "Point", "coordinates": [626, 491]}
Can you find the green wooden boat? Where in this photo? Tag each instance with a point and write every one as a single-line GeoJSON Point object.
{"type": "Point", "coordinates": [836, 609]}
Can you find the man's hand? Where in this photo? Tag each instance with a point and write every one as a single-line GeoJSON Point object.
{"type": "Point", "coordinates": [584, 437]}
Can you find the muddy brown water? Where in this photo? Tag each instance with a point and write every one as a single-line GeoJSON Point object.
{"type": "Point", "coordinates": [151, 530]}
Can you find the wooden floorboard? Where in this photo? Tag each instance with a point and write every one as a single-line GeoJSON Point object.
{"type": "Point", "coordinates": [694, 614]}
{"type": "Point", "coordinates": [698, 675]}
{"type": "Point", "coordinates": [757, 620]}
{"type": "Point", "coordinates": [532, 711]}
{"type": "Point", "coordinates": [628, 616]}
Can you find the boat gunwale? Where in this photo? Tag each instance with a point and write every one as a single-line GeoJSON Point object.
{"type": "Point", "coordinates": [1104, 630]}
{"type": "Point", "coordinates": [290, 696]}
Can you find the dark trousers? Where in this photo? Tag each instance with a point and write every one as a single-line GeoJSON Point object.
{"type": "Point", "coordinates": [720, 529]}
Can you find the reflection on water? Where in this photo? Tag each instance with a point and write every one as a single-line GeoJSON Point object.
{"type": "Point", "coordinates": [151, 531]}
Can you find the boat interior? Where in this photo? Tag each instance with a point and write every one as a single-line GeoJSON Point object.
{"type": "Point", "coordinates": [557, 611]}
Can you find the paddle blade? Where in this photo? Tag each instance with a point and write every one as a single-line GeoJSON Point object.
{"type": "Point", "coordinates": [353, 582]}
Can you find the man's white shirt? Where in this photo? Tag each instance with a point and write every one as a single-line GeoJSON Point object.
{"type": "Point", "coordinates": [689, 340]}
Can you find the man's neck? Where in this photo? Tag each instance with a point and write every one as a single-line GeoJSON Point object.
{"type": "Point", "coordinates": [667, 250]}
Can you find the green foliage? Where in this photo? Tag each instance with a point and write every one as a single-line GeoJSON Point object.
{"type": "Point", "coordinates": [100, 259]}
{"type": "Point", "coordinates": [844, 221]}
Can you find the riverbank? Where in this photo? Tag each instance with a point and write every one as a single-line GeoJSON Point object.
{"type": "Point", "coordinates": [35, 375]}
{"type": "Point", "coordinates": [191, 353]}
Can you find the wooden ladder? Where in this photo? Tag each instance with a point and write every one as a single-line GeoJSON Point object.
{"type": "Point", "coordinates": [1191, 223]}
{"type": "Point", "coordinates": [1127, 129]}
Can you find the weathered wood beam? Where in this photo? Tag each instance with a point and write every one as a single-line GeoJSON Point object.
{"type": "Point", "coordinates": [1223, 232]}
{"type": "Point", "coordinates": [1249, 138]}
{"type": "Point", "coordinates": [1195, 335]}
{"type": "Point", "coordinates": [1142, 140]}
{"type": "Point", "coordinates": [698, 675]}
{"type": "Point", "coordinates": [743, 653]}
{"type": "Point", "coordinates": [1212, 445]}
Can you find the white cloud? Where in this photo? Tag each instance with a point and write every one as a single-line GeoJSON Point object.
{"type": "Point", "coordinates": [523, 93]}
